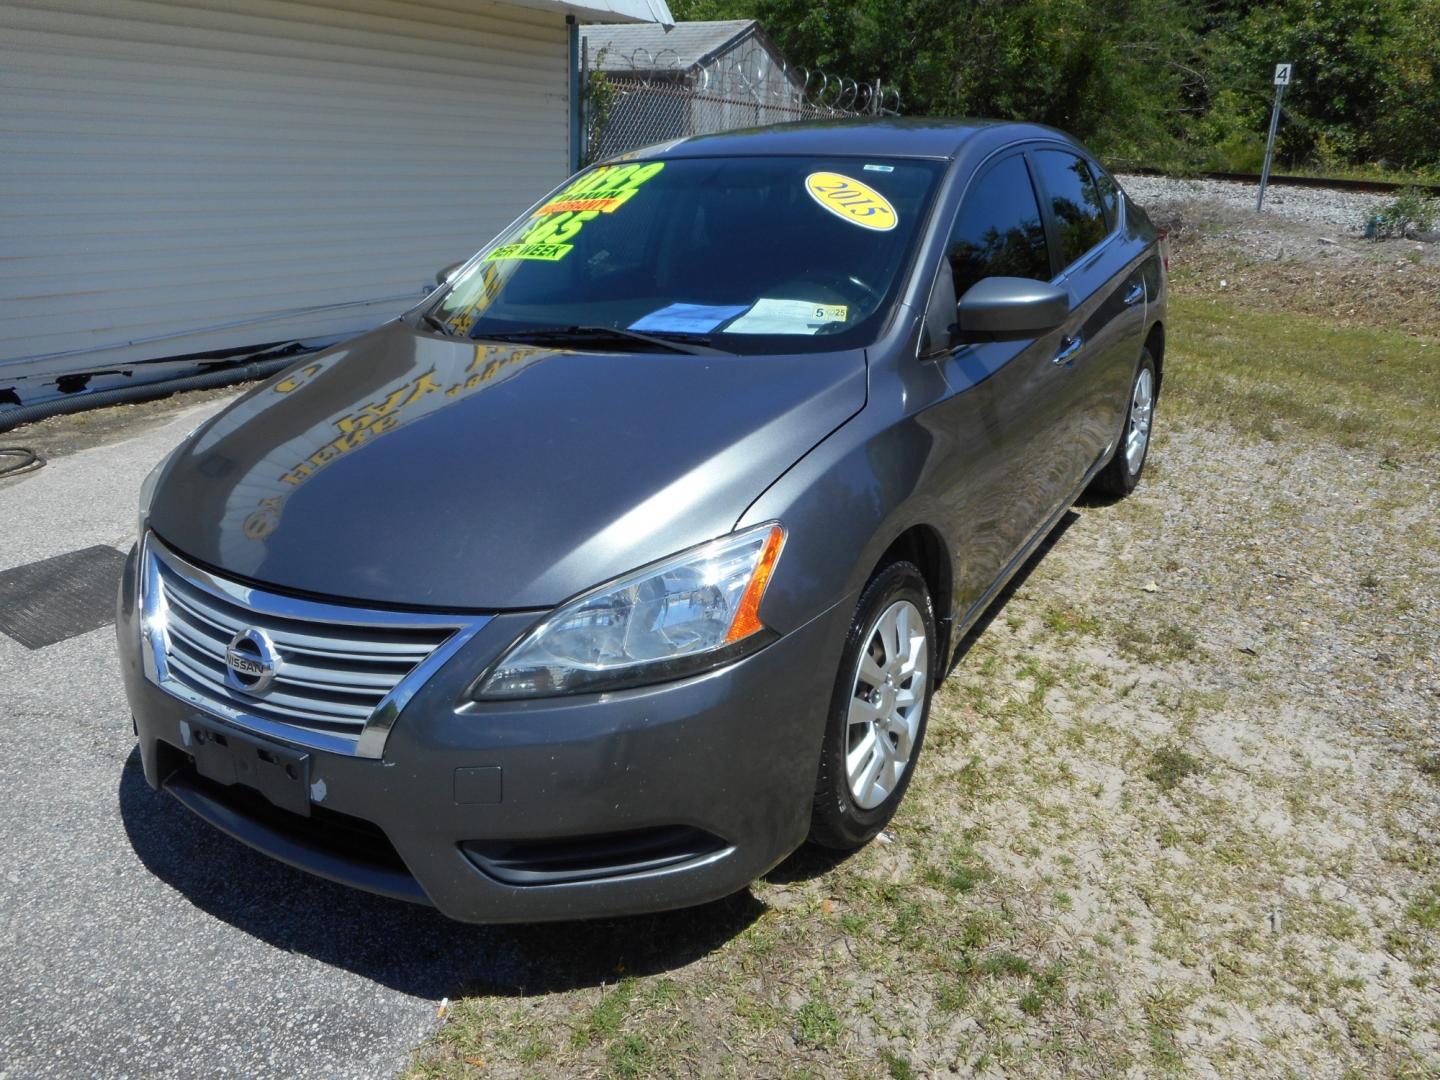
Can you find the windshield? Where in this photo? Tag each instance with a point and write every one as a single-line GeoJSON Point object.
{"type": "Point", "coordinates": [761, 254]}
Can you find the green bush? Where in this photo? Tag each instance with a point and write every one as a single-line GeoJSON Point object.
{"type": "Point", "coordinates": [1409, 212]}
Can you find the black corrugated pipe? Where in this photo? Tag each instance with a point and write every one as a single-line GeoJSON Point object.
{"type": "Point", "coordinates": [118, 395]}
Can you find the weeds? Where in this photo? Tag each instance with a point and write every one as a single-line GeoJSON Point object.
{"type": "Point", "coordinates": [1424, 910]}
{"type": "Point", "coordinates": [1069, 620]}
{"type": "Point", "coordinates": [631, 1057]}
{"type": "Point", "coordinates": [1156, 644]}
{"type": "Point", "coordinates": [1170, 765]}
{"type": "Point", "coordinates": [898, 1066]}
{"type": "Point", "coordinates": [1411, 211]}
{"type": "Point", "coordinates": [605, 1017]}
{"type": "Point", "coordinates": [817, 1023]}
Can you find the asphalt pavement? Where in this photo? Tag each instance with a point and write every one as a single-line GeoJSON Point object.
{"type": "Point", "coordinates": [137, 941]}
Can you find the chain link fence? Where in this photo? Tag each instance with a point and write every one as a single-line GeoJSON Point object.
{"type": "Point", "coordinates": [637, 99]}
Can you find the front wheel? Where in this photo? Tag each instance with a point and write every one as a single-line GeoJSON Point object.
{"type": "Point", "coordinates": [1122, 472]}
{"type": "Point", "coordinates": [878, 712]}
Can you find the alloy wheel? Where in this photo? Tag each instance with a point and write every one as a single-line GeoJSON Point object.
{"type": "Point", "coordinates": [1142, 410]}
{"type": "Point", "coordinates": [886, 700]}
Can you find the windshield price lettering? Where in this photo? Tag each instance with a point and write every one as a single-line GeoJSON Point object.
{"type": "Point", "coordinates": [600, 192]}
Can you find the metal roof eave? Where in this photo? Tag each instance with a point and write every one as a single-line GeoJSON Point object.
{"type": "Point", "coordinates": [606, 11]}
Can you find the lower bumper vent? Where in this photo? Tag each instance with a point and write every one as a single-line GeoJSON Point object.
{"type": "Point", "coordinates": [591, 858]}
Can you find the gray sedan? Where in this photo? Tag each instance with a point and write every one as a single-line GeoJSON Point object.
{"type": "Point", "coordinates": [631, 558]}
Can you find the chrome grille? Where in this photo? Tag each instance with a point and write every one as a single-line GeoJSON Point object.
{"type": "Point", "coordinates": [343, 673]}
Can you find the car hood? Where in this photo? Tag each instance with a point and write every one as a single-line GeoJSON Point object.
{"type": "Point", "coordinates": [412, 470]}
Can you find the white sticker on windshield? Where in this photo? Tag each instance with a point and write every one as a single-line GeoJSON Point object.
{"type": "Point", "coordinates": [768, 316]}
{"type": "Point", "coordinates": [879, 168]}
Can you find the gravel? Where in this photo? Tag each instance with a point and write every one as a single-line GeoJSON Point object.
{"type": "Point", "coordinates": [1342, 211]}
{"type": "Point", "coordinates": [1305, 254]}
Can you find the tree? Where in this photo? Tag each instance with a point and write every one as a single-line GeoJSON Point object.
{"type": "Point", "coordinates": [1160, 81]}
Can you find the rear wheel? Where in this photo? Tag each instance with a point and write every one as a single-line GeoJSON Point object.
{"type": "Point", "coordinates": [1122, 472]}
{"type": "Point", "coordinates": [878, 712]}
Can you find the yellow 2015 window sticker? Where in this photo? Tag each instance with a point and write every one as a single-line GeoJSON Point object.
{"type": "Point", "coordinates": [849, 199]}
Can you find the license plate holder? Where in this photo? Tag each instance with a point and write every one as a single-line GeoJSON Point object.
{"type": "Point", "coordinates": [230, 757]}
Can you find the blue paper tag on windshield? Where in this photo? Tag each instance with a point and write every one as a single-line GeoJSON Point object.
{"type": "Point", "coordinates": [687, 318]}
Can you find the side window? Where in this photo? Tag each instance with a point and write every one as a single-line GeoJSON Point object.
{"type": "Point", "coordinates": [998, 232]}
{"type": "Point", "coordinates": [1074, 201]}
{"type": "Point", "coordinates": [1109, 194]}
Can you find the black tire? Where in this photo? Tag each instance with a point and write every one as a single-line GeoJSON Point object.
{"type": "Point", "coordinates": [837, 820]}
{"type": "Point", "coordinates": [1117, 478]}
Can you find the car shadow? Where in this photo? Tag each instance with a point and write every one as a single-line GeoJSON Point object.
{"type": "Point", "coordinates": [806, 862]}
{"type": "Point", "coordinates": [406, 947]}
{"type": "Point", "coordinates": [1012, 586]}
{"type": "Point", "coordinates": [1092, 499]}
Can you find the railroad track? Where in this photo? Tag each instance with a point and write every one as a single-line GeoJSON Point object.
{"type": "Point", "coordinates": [1377, 187]}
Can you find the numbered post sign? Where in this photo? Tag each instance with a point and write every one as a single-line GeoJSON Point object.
{"type": "Point", "coordinates": [1282, 74]}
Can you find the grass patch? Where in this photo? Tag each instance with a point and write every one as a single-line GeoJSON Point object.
{"type": "Point", "coordinates": [1155, 644]}
{"type": "Point", "coordinates": [1362, 386]}
{"type": "Point", "coordinates": [1170, 765]}
{"type": "Point", "coordinates": [535, 1049]}
{"type": "Point", "coordinates": [1000, 964]}
{"type": "Point", "coordinates": [952, 996]}
{"type": "Point", "coordinates": [603, 1021]}
{"type": "Point", "coordinates": [1424, 910]}
{"type": "Point", "coordinates": [630, 1057]}
{"type": "Point", "coordinates": [1063, 619]}
{"type": "Point", "coordinates": [1047, 991]}
{"type": "Point", "coordinates": [816, 1023]}
{"type": "Point", "coordinates": [898, 1066]}
{"type": "Point", "coordinates": [964, 871]}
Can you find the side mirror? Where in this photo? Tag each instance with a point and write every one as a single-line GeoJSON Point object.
{"type": "Point", "coordinates": [1011, 307]}
{"type": "Point", "coordinates": [444, 275]}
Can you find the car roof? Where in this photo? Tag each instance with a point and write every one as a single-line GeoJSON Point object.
{"type": "Point", "coordinates": [880, 136]}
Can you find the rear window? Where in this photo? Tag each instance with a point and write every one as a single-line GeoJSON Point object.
{"type": "Point", "coordinates": [1109, 195]}
{"type": "Point", "coordinates": [1074, 201]}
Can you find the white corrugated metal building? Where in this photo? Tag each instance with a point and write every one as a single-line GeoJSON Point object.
{"type": "Point", "coordinates": [177, 178]}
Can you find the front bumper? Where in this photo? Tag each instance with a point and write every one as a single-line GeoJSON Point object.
{"type": "Point", "coordinates": [730, 756]}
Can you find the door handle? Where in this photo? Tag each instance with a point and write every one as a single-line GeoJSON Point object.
{"type": "Point", "coordinates": [1135, 294]}
{"type": "Point", "coordinates": [1068, 348]}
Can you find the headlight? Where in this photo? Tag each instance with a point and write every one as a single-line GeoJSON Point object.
{"type": "Point", "coordinates": [147, 489]}
{"type": "Point", "coordinates": [689, 613]}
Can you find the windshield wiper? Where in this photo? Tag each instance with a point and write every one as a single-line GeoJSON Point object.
{"type": "Point", "coordinates": [569, 335]}
{"type": "Point", "coordinates": [436, 325]}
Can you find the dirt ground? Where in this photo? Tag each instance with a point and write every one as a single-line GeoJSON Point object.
{"type": "Point", "coordinates": [1178, 806]}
